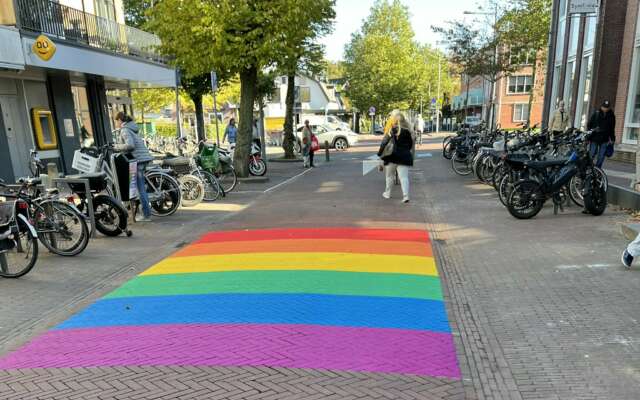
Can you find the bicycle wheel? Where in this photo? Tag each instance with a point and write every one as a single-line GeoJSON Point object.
{"type": "Point", "coordinates": [576, 187]}
{"type": "Point", "coordinates": [228, 179]}
{"type": "Point", "coordinates": [192, 190]}
{"type": "Point", "coordinates": [448, 149]}
{"type": "Point", "coordinates": [18, 254]}
{"type": "Point", "coordinates": [526, 200]}
{"type": "Point", "coordinates": [460, 164]}
{"type": "Point", "coordinates": [110, 215]}
{"type": "Point", "coordinates": [257, 167]}
{"type": "Point", "coordinates": [212, 188]}
{"type": "Point", "coordinates": [164, 193]}
{"type": "Point", "coordinates": [61, 228]}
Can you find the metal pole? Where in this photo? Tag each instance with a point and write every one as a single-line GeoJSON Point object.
{"type": "Point", "coordinates": [438, 96]}
{"type": "Point", "coordinates": [215, 112]}
{"type": "Point", "coordinates": [551, 62]}
{"type": "Point", "coordinates": [578, 67]}
{"type": "Point", "coordinates": [178, 117]}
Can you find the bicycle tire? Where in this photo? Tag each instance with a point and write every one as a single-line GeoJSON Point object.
{"type": "Point", "coordinates": [191, 190]}
{"type": "Point", "coordinates": [529, 192]}
{"type": "Point", "coordinates": [110, 215]}
{"type": "Point", "coordinates": [212, 188]}
{"type": "Point", "coordinates": [50, 240]}
{"type": "Point", "coordinates": [257, 167]}
{"type": "Point", "coordinates": [460, 166]}
{"type": "Point", "coordinates": [167, 201]}
{"type": "Point", "coordinates": [31, 242]}
{"type": "Point", "coordinates": [228, 179]}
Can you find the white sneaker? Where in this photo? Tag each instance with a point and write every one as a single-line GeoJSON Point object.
{"type": "Point", "coordinates": [405, 199]}
{"type": "Point", "coordinates": [386, 195]}
{"type": "Point", "coordinates": [142, 218]}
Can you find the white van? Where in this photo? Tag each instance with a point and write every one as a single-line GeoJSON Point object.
{"type": "Point", "coordinates": [330, 120]}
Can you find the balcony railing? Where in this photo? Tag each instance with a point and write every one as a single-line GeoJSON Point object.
{"type": "Point", "coordinates": [73, 25]}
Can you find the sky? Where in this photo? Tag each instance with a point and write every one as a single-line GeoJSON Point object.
{"type": "Point", "coordinates": [424, 14]}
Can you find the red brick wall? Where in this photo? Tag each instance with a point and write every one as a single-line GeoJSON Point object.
{"type": "Point", "coordinates": [506, 101]}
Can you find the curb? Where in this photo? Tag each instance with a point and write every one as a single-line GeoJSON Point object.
{"type": "Point", "coordinates": [285, 160]}
{"type": "Point", "coordinates": [630, 230]}
{"type": "Point", "coordinates": [254, 179]}
{"type": "Point", "coordinates": [623, 197]}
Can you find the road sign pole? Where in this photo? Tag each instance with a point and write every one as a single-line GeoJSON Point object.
{"type": "Point", "coordinates": [214, 89]}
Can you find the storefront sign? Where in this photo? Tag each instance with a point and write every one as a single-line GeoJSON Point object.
{"type": "Point", "coordinates": [583, 6]}
{"type": "Point", "coordinates": [44, 48]}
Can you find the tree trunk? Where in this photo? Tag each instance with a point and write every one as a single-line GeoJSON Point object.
{"type": "Point", "coordinates": [197, 102]}
{"type": "Point", "coordinates": [533, 91]}
{"type": "Point", "coordinates": [289, 138]}
{"type": "Point", "coordinates": [248, 81]}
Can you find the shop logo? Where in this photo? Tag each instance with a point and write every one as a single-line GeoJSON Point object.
{"type": "Point", "coordinates": [44, 48]}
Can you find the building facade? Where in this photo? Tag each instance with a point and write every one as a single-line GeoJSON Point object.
{"type": "Point", "coordinates": [60, 62]}
{"type": "Point", "coordinates": [609, 70]}
{"type": "Point", "coordinates": [311, 96]}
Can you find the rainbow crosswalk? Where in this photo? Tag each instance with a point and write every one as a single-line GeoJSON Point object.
{"type": "Point", "coordinates": [339, 298]}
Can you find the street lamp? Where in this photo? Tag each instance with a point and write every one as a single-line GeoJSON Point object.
{"type": "Point", "coordinates": [439, 42]}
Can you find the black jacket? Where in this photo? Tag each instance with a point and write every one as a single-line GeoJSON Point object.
{"type": "Point", "coordinates": [603, 125]}
{"type": "Point", "coordinates": [402, 152]}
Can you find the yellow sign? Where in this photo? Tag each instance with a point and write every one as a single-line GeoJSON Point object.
{"type": "Point", "coordinates": [44, 48]}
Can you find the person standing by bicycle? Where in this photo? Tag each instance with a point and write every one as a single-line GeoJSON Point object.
{"type": "Point", "coordinates": [395, 152]}
{"type": "Point", "coordinates": [603, 124]}
{"type": "Point", "coordinates": [132, 144]}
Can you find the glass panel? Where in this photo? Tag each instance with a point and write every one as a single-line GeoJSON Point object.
{"type": "Point", "coordinates": [635, 113]}
{"type": "Point", "coordinates": [588, 61]}
{"type": "Point", "coordinates": [305, 94]}
{"type": "Point", "coordinates": [589, 41]}
{"type": "Point", "coordinates": [569, 84]}
{"type": "Point", "coordinates": [47, 135]}
{"type": "Point", "coordinates": [563, 8]}
{"type": "Point", "coordinates": [632, 134]}
{"type": "Point", "coordinates": [83, 116]}
{"type": "Point", "coordinates": [560, 41]}
{"type": "Point", "coordinates": [512, 84]}
{"type": "Point", "coordinates": [573, 41]}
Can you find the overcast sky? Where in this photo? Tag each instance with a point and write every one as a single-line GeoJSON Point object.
{"type": "Point", "coordinates": [424, 14]}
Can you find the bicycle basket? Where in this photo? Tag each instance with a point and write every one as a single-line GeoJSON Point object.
{"type": "Point", "coordinates": [84, 162]}
{"type": "Point", "coordinates": [209, 158]}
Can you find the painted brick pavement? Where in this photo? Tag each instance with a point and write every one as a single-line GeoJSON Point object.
{"type": "Point", "coordinates": [362, 316]}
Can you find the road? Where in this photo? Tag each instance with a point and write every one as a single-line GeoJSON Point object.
{"type": "Point", "coordinates": [321, 289]}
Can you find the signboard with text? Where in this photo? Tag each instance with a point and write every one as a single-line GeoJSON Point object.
{"type": "Point", "coordinates": [583, 6]}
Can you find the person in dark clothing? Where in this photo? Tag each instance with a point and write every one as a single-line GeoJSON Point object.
{"type": "Point", "coordinates": [401, 158]}
{"type": "Point", "coordinates": [603, 124]}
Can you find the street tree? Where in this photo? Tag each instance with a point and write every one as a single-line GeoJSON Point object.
{"type": "Point", "coordinates": [147, 101]}
{"type": "Point", "coordinates": [135, 12]}
{"type": "Point", "coordinates": [232, 37]}
{"type": "Point", "coordinates": [523, 31]}
{"type": "Point", "coordinates": [379, 59]}
{"type": "Point", "coordinates": [310, 19]}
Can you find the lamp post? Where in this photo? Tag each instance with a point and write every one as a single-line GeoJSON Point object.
{"type": "Point", "coordinates": [439, 42]}
{"type": "Point", "coordinates": [495, 58]}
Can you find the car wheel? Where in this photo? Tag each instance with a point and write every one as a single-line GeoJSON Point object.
{"type": "Point", "coordinates": [341, 144]}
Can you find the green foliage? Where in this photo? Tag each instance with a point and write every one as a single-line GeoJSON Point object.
{"type": "Point", "coordinates": [386, 68]}
{"type": "Point", "coordinates": [146, 101]}
{"type": "Point", "coordinates": [524, 28]}
{"type": "Point", "coordinates": [167, 130]}
{"type": "Point", "coordinates": [135, 12]}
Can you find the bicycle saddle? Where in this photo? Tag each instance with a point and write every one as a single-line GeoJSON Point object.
{"type": "Point", "coordinates": [177, 161]}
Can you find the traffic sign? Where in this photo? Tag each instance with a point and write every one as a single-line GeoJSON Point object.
{"type": "Point", "coordinates": [433, 101]}
{"type": "Point", "coordinates": [583, 6]}
{"type": "Point", "coordinates": [214, 81]}
{"type": "Point", "coordinates": [372, 111]}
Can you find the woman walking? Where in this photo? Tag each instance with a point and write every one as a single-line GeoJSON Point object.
{"type": "Point", "coordinates": [395, 152]}
{"type": "Point", "coordinates": [307, 154]}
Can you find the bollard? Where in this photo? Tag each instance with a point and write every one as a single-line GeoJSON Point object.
{"type": "Point", "coordinates": [326, 150]}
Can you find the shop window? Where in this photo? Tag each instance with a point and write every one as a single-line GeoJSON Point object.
{"type": "Point", "coordinates": [302, 94]}
{"type": "Point", "coordinates": [520, 84]}
{"type": "Point", "coordinates": [520, 112]}
{"type": "Point", "coordinates": [45, 129]}
{"type": "Point", "coordinates": [83, 116]}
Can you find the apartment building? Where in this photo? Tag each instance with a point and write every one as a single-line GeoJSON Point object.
{"type": "Point", "coordinates": [60, 62]}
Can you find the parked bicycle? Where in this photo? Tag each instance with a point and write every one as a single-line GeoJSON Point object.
{"type": "Point", "coordinates": [18, 238]}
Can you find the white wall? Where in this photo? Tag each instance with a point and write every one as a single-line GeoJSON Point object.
{"type": "Point", "coordinates": [318, 99]}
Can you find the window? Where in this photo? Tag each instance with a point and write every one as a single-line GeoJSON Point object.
{"type": "Point", "coordinates": [105, 9]}
{"type": "Point", "coordinates": [522, 58]}
{"type": "Point", "coordinates": [519, 84]}
{"type": "Point", "coordinates": [275, 96]}
{"type": "Point", "coordinates": [303, 94]}
{"type": "Point", "coordinates": [520, 112]}
{"type": "Point", "coordinates": [83, 116]}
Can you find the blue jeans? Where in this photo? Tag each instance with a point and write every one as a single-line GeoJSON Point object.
{"type": "Point", "coordinates": [598, 149]}
{"type": "Point", "coordinates": [142, 190]}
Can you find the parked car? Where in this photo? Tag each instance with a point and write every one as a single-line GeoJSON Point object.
{"type": "Point", "coordinates": [339, 140]}
{"type": "Point", "coordinates": [378, 129]}
{"type": "Point", "coordinates": [330, 121]}
{"type": "Point", "coordinates": [472, 121]}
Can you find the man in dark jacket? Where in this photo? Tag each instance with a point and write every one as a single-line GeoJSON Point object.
{"type": "Point", "coordinates": [603, 124]}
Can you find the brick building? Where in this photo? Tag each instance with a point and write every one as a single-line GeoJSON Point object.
{"type": "Point", "coordinates": [511, 101]}
{"type": "Point", "coordinates": [610, 66]}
